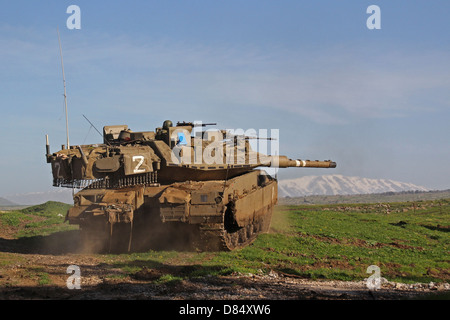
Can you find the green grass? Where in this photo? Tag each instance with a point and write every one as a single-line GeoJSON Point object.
{"type": "Point", "coordinates": [43, 279]}
{"type": "Point", "coordinates": [410, 242]}
{"type": "Point", "coordinates": [39, 220]}
{"type": "Point", "coordinates": [326, 242]}
{"type": "Point", "coordinates": [13, 218]}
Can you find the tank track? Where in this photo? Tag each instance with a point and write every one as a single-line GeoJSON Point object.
{"type": "Point", "coordinates": [99, 236]}
{"type": "Point", "coordinates": [215, 237]}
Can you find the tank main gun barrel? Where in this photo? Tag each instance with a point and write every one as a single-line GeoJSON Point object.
{"type": "Point", "coordinates": [285, 162]}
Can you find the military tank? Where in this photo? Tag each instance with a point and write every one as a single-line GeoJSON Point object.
{"type": "Point", "coordinates": [176, 184]}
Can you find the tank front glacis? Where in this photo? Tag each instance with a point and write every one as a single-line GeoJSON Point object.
{"type": "Point", "coordinates": [137, 185]}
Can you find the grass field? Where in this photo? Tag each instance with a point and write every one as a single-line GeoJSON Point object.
{"type": "Point", "coordinates": [409, 243]}
{"type": "Point", "coordinates": [337, 242]}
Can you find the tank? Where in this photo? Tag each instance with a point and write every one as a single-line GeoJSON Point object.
{"type": "Point", "coordinates": [178, 186]}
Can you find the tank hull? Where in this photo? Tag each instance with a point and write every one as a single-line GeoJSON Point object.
{"type": "Point", "coordinates": [213, 215]}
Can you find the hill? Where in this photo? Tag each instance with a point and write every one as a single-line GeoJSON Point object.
{"type": "Point", "coordinates": [41, 219]}
{"type": "Point", "coordinates": [50, 208]}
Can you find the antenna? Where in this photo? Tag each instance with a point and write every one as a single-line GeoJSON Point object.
{"type": "Point", "coordinates": [64, 82]}
{"type": "Point", "coordinates": [92, 126]}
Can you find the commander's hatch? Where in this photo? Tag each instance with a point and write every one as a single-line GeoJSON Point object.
{"type": "Point", "coordinates": [111, 133]}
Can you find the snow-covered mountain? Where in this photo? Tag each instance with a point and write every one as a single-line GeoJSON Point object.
{"type": "Point", "coordinates": [339, 184]}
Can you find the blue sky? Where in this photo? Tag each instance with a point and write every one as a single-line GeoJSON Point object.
{"type": "Point", "coordinates": [375, 101]}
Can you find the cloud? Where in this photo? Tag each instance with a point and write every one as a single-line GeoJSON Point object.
{"type": "Point", "coordinates": [347, 88]}
{"type": "Point", "coordinates": [328, 86]}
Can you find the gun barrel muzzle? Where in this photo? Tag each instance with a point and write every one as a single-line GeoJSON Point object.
{"type": "Point", "coordinates": [285, 162]}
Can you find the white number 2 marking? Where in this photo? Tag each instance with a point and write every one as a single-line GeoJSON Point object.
{"type": "Point", "coordinates": [57, 167]}
{"type": "Point", "coordinates": [138, 168]}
